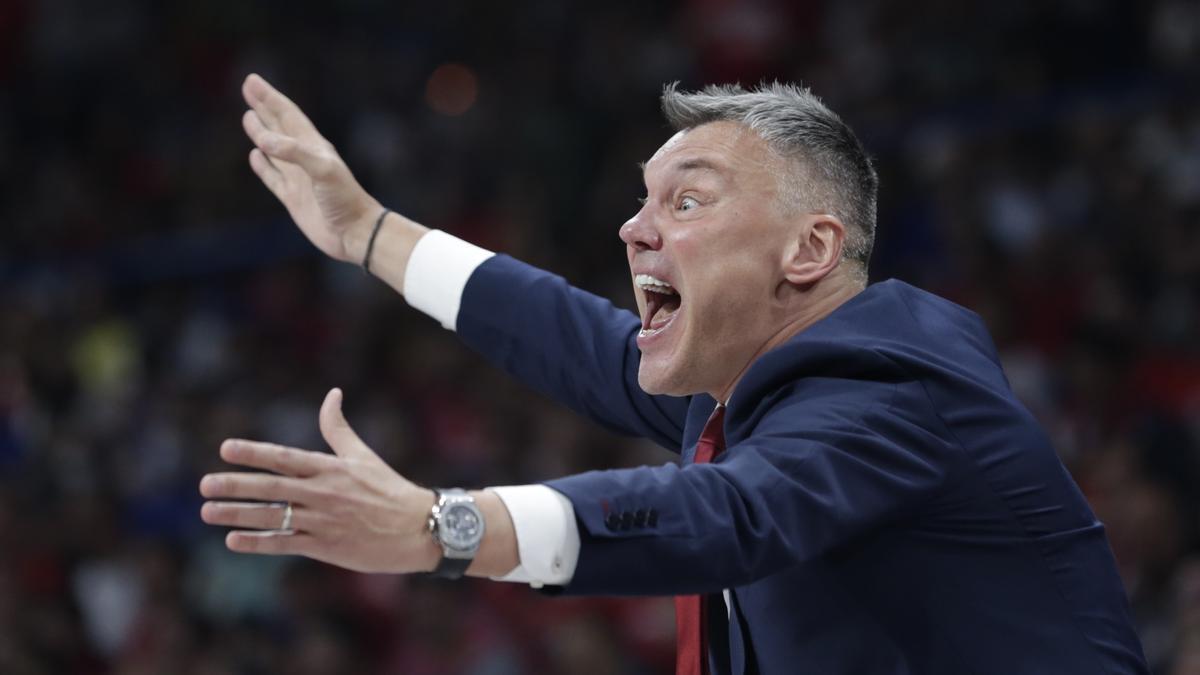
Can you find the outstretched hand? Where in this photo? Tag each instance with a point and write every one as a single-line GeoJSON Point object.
{"type": "Point", "coordinates": [349, 509]}
{"type": "Point", "coordinates": [304, 171]}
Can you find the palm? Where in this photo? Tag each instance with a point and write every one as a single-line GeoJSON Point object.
{"type": "Point", "coordinates": [320, 210]}
{"type": "Point", "coordinates": [303, 170]}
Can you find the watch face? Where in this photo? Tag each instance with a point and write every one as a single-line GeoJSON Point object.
{"type": "Point", "coordinates": [460, 527]}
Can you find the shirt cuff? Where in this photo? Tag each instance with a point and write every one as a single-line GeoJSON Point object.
{"type": "Point", "coordinates": [437, 273]}
{"type": "Point", "coordinates": [547, 535]}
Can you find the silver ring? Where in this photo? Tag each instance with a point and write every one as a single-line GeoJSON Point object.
{"type": "Point", "coordinates": [287, 518]}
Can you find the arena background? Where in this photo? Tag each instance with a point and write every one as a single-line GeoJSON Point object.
{"type": "Point", "coordinates": [1040, 164]}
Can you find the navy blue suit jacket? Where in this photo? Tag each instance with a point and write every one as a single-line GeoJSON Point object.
{"type": "Point", "coordinates": [885, 504]}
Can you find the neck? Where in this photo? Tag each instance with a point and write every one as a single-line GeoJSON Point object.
{"type": "Point", "coordinates": [809, 310]}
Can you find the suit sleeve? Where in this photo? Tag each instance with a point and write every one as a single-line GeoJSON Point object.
{"type": "Point", "coordinates": [826, 462]}
{"type": "Point", "coordinates": [570, 345]}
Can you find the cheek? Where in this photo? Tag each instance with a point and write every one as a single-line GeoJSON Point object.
{"type": "Point", "coordinates": [703, 247]}
{"type": "Point", "coordinates": [729, 266]}
{"type": "Point", "coordinates": [689, 240]}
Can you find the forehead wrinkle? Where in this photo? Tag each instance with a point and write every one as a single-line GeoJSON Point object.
{"type": "Point", "coordinates": [693, 149]}
{"type": "Point", "coordinates": [702, 164]}
{"type": "Point", "coordinates": [697, 164]}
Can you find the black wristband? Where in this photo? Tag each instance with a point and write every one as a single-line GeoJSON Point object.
{"type": "Point", "coordinates": [366, 263]}
{"type": "Point", "coordinates": [451, 568]}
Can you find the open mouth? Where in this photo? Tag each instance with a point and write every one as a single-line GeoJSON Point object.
{"type": "Point", "coordinates": [662, 303]}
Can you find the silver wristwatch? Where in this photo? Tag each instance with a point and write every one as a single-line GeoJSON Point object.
{"type": "Point", "coordinates": [457, 526]}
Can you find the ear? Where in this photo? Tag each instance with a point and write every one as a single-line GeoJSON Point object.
{"type": "Point", "coordinates": [816, 250]}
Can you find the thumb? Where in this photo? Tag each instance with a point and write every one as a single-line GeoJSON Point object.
{"type": "Point", "coordinates": [336, 430]}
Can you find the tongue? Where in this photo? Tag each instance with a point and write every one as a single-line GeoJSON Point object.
{"type": "Point", "coordinates": [654, 302]}
{"type": "Point", "coordinates": [659, 307]}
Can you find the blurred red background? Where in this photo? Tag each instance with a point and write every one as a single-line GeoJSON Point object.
{"type": "Point", "coordinates": [1040, 164]}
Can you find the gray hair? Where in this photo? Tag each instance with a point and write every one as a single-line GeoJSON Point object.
{"type": "Point", "coordinates": [836, 176]}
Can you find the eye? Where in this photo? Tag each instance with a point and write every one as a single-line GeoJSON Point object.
{"type": "Point", "coordinates": [688, 203]}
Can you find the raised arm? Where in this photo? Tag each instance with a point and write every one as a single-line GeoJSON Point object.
{"type": "Point", "coordinates": [305, 172]}
{"type": "Point", "coordinates": [571, 345]}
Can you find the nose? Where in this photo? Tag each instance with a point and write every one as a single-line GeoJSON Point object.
{"type": "Point", "coordinates": [640, 234]}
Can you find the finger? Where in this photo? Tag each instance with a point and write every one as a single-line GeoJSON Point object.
{"type": "Point", "coordinates": [263, 487]}
{"type": "Point", "coordinates": [255, 90]}
{"type": "Point", "coordinates": [260, 516]}
{"type": "Point", "coordinates": [272, 542]}
{"type": "Point", "coordinates": [317, 159]}
{"type": "Point", "coordinates": [258, 132]}
{"type": "Point", "coordinates": [272, 177]}
{"type": "Point", "coordinates": [277, 111]}
{"type": "Point", "coordinates": [313, 154]}
{"type": "Point", "coordinates": [249, 515]}
{"type": "Point", "coordinates": [253, 125]}
{"type": "Point", "coordinates": [336, 430]}
{"type": "Point", "coordinates": [276, 458]}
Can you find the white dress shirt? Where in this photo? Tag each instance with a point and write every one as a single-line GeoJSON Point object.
{"type": "Point", "coordinates": [543, 519]}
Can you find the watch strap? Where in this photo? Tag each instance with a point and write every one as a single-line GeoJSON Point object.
{"type": "Point", "coordinates": [451, 568]}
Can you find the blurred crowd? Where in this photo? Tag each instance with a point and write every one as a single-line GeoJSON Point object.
{"type": "Point", "coordinates": [1040, 164]}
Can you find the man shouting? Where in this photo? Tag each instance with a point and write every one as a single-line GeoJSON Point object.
{"type": "Point", "coordinates": [859, 490]}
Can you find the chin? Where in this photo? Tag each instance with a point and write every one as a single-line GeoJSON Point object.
{"type": "Point", "coordinates": [661, 382]}
{"type": "Point", "coordinates": [650, 387]}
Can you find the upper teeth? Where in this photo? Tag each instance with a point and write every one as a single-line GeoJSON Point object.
{"type": "Point", "coordinates": [649, 283]}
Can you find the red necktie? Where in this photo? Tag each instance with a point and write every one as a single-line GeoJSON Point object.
{"type": "Point", "coordinates": [691, 611]}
